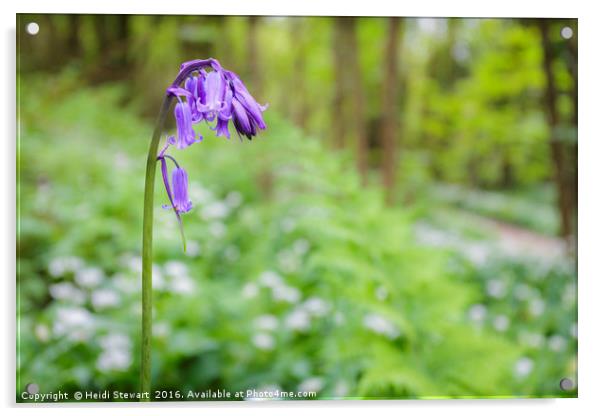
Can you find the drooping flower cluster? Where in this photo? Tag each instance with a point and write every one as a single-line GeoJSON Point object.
{"type": "Point", "coordinates": [214, 95]}
{"type": "Point", "coordinates": [218, 95]}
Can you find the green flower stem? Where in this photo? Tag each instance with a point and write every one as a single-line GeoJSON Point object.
{"type": "Point", "coordinates": [147, 250]}
{"type": "Point", "coordinates": [147, 225]}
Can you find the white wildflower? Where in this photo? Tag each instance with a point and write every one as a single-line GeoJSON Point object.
{"type": "Point", "coordinates": [263, 341]}
{"type": "Point", "coordinates": [75, 323]}
{"type": "Point", "coordinates": [501, 323]}
{"type": "Point", "coordinates": [523, 367]}
{"type": "Point", "coordinates": [114, 341]}
{"type": "Point", "coordinates": [134, 263]}
{"type": "Point", "coordinates": [316, 306]}
{"type": "Point", "coordinates": [158, 279]}
{"type": "Point", "coordinates": [233, 199]}
{"type": "Point", "coordinates": [298, 320]}
{"type": "Point", "coordinates": [381, 293]}
{"type": "Point", "coordinates": [175, 268]}
{"type": "Point", "coordinates": [161, 329]}
{"type": "Point", "coordinates": [193, 248]}
{"type": "Point", "coordinates": [105, 298]}
{"type": "Point", "coordinates": [42, 332]}
{"type": "Point", "coordinates": [477, 313]}
{"type": "Point", "coordinates": [59, 266]}
{"type": "Point", "coordinates": [67, 292]}
{"type": "Point", "coordinates": [182, 284]}
{"type": "Point", "coordinates": [266, 322]}
{"type": "Point", "coordinates": [114, 360]}
{"type": "Point", "coordinates": [270, 279]}
{"type": "Point", "coordinates": [381, 325]}
{"type": "Point", "coordinates": [89, 277]}
{"type": "Point", "coordinates": [300, 246]}
{"type": "Point", "coordinates": [496, 288]}
{"type": "Point", "coordinates": [557, 343]}
{"type": "Point", "coordinates": [125, 283]}
{"type": "Point", "coordinates": [286, 294]}
{"type": "Point", "coordinates": [537, 307]}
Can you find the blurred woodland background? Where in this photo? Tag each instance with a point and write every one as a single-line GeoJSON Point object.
{"type": "Point", "coordinates": [405, 227]}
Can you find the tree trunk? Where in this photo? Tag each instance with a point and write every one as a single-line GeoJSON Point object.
{"type": "Point", "coordinates": [390, 111]}
{"type": "Point", "coordinates": [339, 125]}
{"type": "Point", "coordinates": [74, 35]}
{"type": "Point", "coordinates": [556, 146]}
{"type": "Point", "coordinates": [358, 118]}
{"type": "Point", "coordinates": [298, 105]}
{"type": "Point", "coordinates": [253, 58]}
{"type": "Point", "coordinates": [349, 120]}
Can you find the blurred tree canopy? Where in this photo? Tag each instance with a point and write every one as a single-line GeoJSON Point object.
{"type": "Point", "coordinates": [487, 103]}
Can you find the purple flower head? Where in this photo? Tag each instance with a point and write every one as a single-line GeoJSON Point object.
{"type": "Point", "coordinates": [186, 134]}
{"type": "Point", "coordinates": [209, 93]}
{"type": "Point", "coordinates": [218, 95]}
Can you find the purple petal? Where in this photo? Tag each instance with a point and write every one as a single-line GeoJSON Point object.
{"type": "Point", "coordinates": [179, 179]}
{"type": "Point", "coordinates": [201, 91]}
{"type": "Point", "coordinates": [215, 89]}
{"type": "Point", "coordinates": [241, 121]}
{"type": "Point", "coordinates": [186, 134]}
{"type": "Point", "coordinates": [178, 92]}
{"type": "Point", "coordinates": [221, 127]}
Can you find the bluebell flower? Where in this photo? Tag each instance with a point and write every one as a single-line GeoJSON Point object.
{"type": "Point", "coordinates": [214, 91]}
{"type": "Point", "coordinates": [195, 85]}
{"type": "Point", "coordinates": [211, 94]}
{"type": "Point", "coordinates": [247, 112]}
{"type": "Point", "coordinates": [177, 190]}
{"type": "Point", "coordinates": [179, 180]}
{"type": "Point", "coordinates": [186, 134]}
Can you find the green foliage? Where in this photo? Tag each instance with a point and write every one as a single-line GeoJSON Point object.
{"type": "Point", "coordinates": [296, 276]}
{"type": "Point", "coordinates": [484, 126]}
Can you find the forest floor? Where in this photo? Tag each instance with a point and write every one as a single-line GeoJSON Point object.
{"type": "Point", "coordinates": [480, 237]}
{"type": "Point", "coordinates": [517, 240]}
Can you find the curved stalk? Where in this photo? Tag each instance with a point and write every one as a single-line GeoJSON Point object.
{"type": "Point", "coordinates": [147, 223]}
{"type": "Point", "coordinates": [147, 251]}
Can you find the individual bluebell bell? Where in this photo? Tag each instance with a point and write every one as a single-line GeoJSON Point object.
{"type": "Point", "coordinates": [247, 113]}
{"type": "Point", "coordinates": [179, 181]}
{"type": "Point", "coordinates": [186, 134]}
